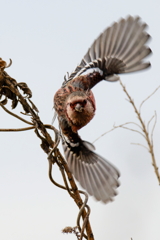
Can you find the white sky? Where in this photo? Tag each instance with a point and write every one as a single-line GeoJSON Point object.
{"type": "Point", "coordinates": [45, 39]}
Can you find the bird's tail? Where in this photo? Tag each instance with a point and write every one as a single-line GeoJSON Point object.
{"type": "Point", "coordinates": [96, 175]}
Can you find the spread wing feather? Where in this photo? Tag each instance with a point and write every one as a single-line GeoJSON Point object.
{"type": "Point", "coordinates": [119, 49]}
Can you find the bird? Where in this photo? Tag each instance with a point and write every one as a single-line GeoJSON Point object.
{"type": "Point", "coordinates": [121, 48]}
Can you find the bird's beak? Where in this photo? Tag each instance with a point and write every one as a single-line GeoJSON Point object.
{"type": "Point", "coordinates": [78, 108]}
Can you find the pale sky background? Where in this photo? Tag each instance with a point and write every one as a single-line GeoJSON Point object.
{"type": "Point", "coordinates": [45, 39]}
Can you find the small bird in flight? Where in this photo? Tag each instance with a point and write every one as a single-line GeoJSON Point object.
{"type": "Point", "coordinates": [119, 49]}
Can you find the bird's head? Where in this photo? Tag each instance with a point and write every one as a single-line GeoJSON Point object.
{"type": "Point", "coordinates": [80, 109]}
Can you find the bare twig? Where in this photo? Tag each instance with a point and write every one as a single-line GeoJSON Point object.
{"type": "Point", "coordinates": [144, 129]}
{"type": "Point", "coordinates": [153, 128]}
{"type": "Point", "coordinates": [149, 122]}
{"type": "Point", "coordinates": [142, 126]}
{"type": "Point", "coordinates": [85, 223]}
{"type": "Point", "coordinates": [140, 145]}
{"type": "Point", "coordinates": [15, 129]}
{"type": "Point", "coordinates": [121, 126]}
{"type": "Point", "coordinates": [148, 98]}
{"type": "Point", "coordinates": [15, 115]}
{"type": "Point", "coordinates": [133, 130]}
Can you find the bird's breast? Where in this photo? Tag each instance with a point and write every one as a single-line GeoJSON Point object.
{"type": "Point", "coordinates": [77, 120]}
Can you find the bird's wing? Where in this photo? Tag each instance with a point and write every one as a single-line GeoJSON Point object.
{"type": "Point", "coordinates": [119, 49]}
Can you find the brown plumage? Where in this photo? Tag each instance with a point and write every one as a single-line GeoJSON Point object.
{"type": "Point", "coordinates": [119, 49]}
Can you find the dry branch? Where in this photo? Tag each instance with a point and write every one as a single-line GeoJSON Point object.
{"type": "Point", "coordinates": [10, 89]}
{"type": "Point", "coordinates": [144, 129]}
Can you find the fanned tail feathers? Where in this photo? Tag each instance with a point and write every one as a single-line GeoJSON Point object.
{"type": "Point", "coordinates": [96, 175]}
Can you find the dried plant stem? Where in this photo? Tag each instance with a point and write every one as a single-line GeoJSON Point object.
{"type": "Point", "coordinates": [140, 145]}
{"type": "Point", "coordinates": [121, 126]}
{"type": "Point", "coordinates": [148, 98]}
{"type": "Point", "coordinates": [15, 115]}
{"type": "Point", "coordinates": [144, 129]}
{"type": "Point", "coordinates": [71, 192]}
{"type": "Point", "coordinates": [15, 129]}
{"type": "Point", "coordinates": [76, 197]}
{"type": "Point", "coordinates": [49, 146]}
